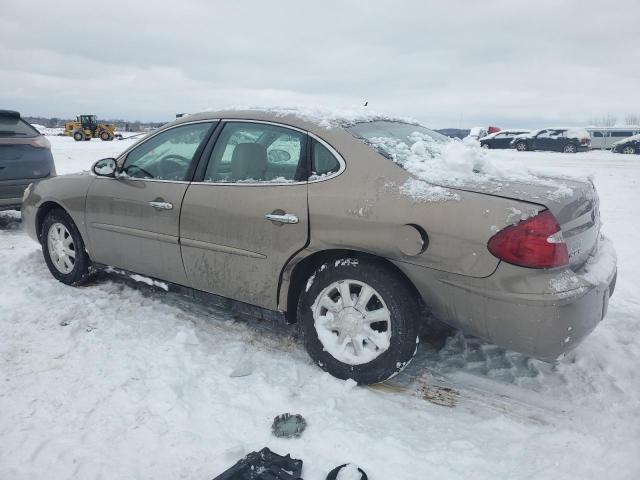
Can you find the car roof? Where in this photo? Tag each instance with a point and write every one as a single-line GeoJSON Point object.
{"type": "Point", "coordinates": [314, 121]}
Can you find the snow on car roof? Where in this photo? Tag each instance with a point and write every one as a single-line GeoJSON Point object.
{"type": "Point", "coordinates": [521, 131]}
{"type": "Point", "coordinates": [322, 117]}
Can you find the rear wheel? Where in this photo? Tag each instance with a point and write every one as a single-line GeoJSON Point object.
{"type": "Point", "coordinates": [570, 148]}
{"type": "Point", "coordinates": [63, 249]}
{"type": "Point", "coordinates": [629, 150]}
{"type": "Point", "coordinates": [359, 320]}
{"type": "Point", "coordinates": [78, 136]}
{"type": "Point", "coordinates": [521, 146]}
{"type": "Point", "coordinates": [485, 146]}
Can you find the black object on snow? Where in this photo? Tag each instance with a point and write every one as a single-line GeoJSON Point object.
{"type": "Point", "coordinates": [264, 465]}
{"type": "Point", "coordinates": [288, 425]}
{"type": "Point", "coordinates": [333, 474]}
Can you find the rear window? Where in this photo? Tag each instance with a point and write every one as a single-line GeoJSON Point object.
{"type": "Point", "coordinates": [381, 134]}
{"type": "Point", "coordinates": [16, 127]}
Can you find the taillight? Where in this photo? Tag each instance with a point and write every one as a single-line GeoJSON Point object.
{"type": "Point", "coordinates": [584, 141]}
{"type": "Point", "coordinates": [535, 243]}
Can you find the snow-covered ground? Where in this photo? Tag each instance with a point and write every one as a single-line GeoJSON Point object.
{"type": "Point", "coordinates": [116, 380]}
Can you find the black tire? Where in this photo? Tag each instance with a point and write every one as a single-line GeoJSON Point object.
{"type": "Point", "coordinates": [105, 136]}
{"type": "Point", "coordinates": [400, 300]}
{"type": "Point", "coordinates": [570, 148]}
{"type": "Point", "coordinates": [522, 146]}
{"type": "Point", "coordinates": [629, 150]}
{"type": "Point", "coordinates": [81, 271]}
{"type": "Point", "coordinates": [78, 136]}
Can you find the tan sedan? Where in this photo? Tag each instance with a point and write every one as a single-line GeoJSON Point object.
{"type": "Point", "coordinates": [296, 219]}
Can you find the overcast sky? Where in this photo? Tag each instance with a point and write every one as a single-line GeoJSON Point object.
{"type": "Point", "coordinates": [446, 63]}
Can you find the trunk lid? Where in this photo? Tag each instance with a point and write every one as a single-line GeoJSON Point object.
{"type": "Point", "coordinates": [573, 202]}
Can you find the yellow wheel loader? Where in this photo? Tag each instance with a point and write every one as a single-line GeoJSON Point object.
{"type": "Point", "coordinates": [87, 127]}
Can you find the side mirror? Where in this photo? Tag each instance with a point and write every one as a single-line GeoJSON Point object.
{"type": "Point", "coordinates": [106, 167]}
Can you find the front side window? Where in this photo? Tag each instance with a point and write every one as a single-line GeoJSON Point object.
{"type": "Point", "coordinates": [257, 153]}
{"type": "Point", "coordinates": [168, 155]}
{"type": "Point", "coordinates": [620, 134]}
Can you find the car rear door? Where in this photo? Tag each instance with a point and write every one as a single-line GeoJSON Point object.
{"type": "Point", "coordinates": [247, 213]}
{"type": "Point", "coordinates": [133, 219]}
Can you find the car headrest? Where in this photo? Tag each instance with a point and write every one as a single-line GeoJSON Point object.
{"type": "Point", "coordinates": [249, 161]}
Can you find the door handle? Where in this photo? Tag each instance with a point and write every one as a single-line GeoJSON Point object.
{"type": "Point", "coordinates": [161, 205]}
{"type": "Point", "coordinates": [281, 217]}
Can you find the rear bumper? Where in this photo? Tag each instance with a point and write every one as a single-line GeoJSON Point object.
{"type": "Point", "coordinates": [543, 325]}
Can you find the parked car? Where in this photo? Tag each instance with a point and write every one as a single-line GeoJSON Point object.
{"type": "Point", "coordinates": [25, 156]}
{"type": "Point", "coordinates": [628, 145]}
{"type": "Point", "coordinates": [501, 139]}
{"type": "Point", "coordinates": [294, 219]}
{"type": "Point", "coordinates": [565, 140]}
{"type": "Point", "coordinates": [605, 137]}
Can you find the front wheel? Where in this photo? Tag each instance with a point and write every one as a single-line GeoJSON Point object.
{"type": "Point", "coordinates": [78, 136]}
{"type": "Point", "coordinates": [359, 320]}
{"type": "Point", "coordinates": [63, 249]}
{"type": "Point", "coordinates": [629, 150]}
{"type": "Point", "coordinates": [521, 146]}
{"type": "Point", "coordinates": [105, 136]}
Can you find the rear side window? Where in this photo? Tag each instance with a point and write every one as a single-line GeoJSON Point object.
{"type": "Point", "coordinates": [597, 134]}
{"type": "Point", "coordinates": [16, 127]}
{"type": "Point", "coordinates": [323, 162]}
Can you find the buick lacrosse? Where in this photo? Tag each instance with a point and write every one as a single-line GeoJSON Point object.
{"type": "Point", "coordinates": [355, 228]}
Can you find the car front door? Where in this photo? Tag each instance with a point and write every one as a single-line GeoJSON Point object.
{"type": "Point", "coordinates": [133, 219]}
{"type": "Point", "coordinates": [247, 213]}
{"type": "Point", "coordinates": [502, 140]}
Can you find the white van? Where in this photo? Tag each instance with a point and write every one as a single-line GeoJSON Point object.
{"type": "Point", "coordinates": [605, 137]}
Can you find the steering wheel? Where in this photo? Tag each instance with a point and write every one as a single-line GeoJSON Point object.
{"type": "Point", "coordinates": [175, 168]}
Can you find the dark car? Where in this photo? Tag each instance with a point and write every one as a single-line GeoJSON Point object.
{"type": "Point", "coordinates": [501, 139]}
{"type": "Point", "coordinates": [567, 140]}
{"type": "Point", "coordinates": [25, 156]}
{"type": "Point", "coordinates": [629, 145]}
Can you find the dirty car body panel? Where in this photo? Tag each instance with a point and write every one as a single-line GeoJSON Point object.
{"type": "Point", "coordinates": [221, 240]}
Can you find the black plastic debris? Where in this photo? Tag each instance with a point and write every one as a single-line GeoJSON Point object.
{"type": "Point", "coordinates": [264, 465]}
{"type": "Point", "coordinates": [288, 425]}
{"type": "Point", "coordinates": [333, 474]}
